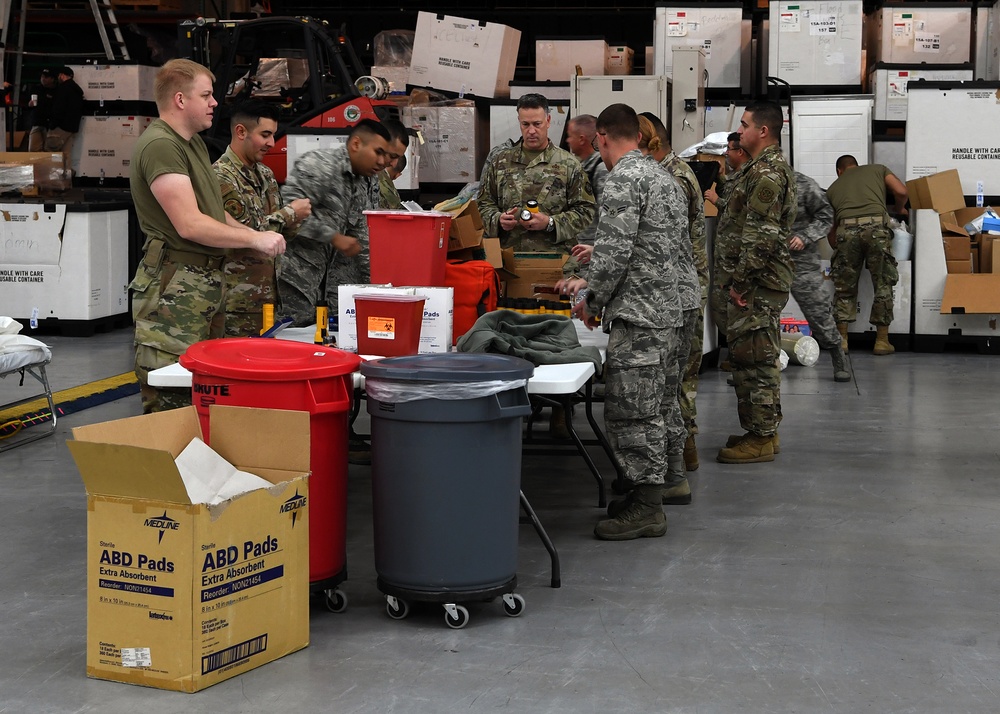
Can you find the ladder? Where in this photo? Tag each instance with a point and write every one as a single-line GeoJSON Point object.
{"type": "Point", "coordinates": [104, 14]}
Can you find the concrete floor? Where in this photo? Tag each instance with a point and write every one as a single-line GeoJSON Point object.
{"type": "Point", "coordinates": [855, 573]}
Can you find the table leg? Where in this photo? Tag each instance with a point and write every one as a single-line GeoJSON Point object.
{"type": "Point", "coordinates": [546, 541]}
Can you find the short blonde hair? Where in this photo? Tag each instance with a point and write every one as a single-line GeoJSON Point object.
{"type": "Point", "coordinates": [650, 140]}
{"type": "Point", "coordinates": [177, 75]}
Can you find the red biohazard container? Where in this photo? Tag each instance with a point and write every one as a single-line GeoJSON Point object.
{"type": "Point", "coordinates": [282, 374]}
{"type": "Point", "coordinates": [408, 247]}
{"type": "Point", "coordinates": [389, 325]}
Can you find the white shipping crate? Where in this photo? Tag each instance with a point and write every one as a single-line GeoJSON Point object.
{"type": "Point", "coordinates": [454, 142]}
{"type": "Point", "coordinates": [911, 33]}
{"type": "Point", "coordinates": [718, 31]}
{"type": "Point", "coordinates": [591, 95]}
{"type": "Point", "coordinates": [553, 91]}
{"type": "Point", "coordinates": [558, 59]}
{"type": "Point", "coordinates": [103, 147]}
{"type": "Point", "coordinates": [115, 82]}
{"type": "Point", "coordinates": [816, 43]}
{"type": "Point", "coordinates": [465, 56]}
{"type": "Point", "coordinates": [949, 126]}
{"type": "Point", "coordinates": [70, 265]}
{"type": "Point", "coordinates": [889, 82]}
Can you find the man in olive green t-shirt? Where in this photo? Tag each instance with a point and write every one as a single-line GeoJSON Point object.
{"type": "Point", "coordinates": [179, 287]}
{"type": "Point", "coordinates": [861, 236]}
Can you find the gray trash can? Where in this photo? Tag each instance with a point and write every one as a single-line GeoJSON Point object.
{"type": "Point", "coordinates": [446, 478]}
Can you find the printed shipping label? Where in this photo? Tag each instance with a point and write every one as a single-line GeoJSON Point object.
{"type": "Point", "coordinates": [136, 657]}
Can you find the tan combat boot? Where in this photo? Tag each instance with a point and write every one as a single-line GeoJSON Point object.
{"type": "Point", "coordinates": [842, 328]}
{"type": "Point", "coordinates": [882, 344]}
{"type": "Point", "coordinates": [690, 454]}
{"type": "Point", "coordinates": [734, 439]}
{"type": "Point", "coordinates": [751, 449]}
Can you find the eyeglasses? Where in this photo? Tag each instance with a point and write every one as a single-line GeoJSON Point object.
{"type": "Point", "coordinates": [593, 143]}
{"type": "Point", "coordinates": [729, 150]}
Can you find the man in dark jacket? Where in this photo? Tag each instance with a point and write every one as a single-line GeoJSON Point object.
{"type": "Point", "coordinates": [64, 121]}
{"type": "Point", "coordinates": [42, 104]}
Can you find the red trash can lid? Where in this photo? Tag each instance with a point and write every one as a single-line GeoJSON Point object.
{"type": "Point", "coordinates": [267, 359]}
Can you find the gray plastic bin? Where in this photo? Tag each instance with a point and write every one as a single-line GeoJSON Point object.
{"type": "Point", "coordinates": [446, 477]}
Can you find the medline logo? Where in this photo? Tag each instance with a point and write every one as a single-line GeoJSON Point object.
{"type": "Point", "coordinates": [162, 523]}
{"type": "Point", "coordinates": [292, 505]}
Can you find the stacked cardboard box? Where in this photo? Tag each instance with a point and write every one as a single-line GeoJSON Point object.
{"type": "Point", "coordinates": [183, 595]}
{"type": "Point", "coordinates": [973, 283]}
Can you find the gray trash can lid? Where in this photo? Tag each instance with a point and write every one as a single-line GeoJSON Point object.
{"type": "Point", "coordinates": [449, 367]}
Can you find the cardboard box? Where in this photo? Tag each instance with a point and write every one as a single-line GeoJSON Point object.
{"type": "Point", "coordinates": [439, 319]}
{"type": "Point", "coordinates": [454, 142]}
{"type": "Point", "coordinates": [971, 294]}
{"type": "Point", "coordinates": [956, 247]}
{"type": "Point", "coordinates": [621, 60]}
{"type": "Point", "coordinates": [558, 59]}
{"type": "Point", "coordinates": [941, 191]}
{"type": "Point", "coordinates": [435, 330]}
{"type": "Point", "coordinates": [466, 228]}
{"type": "Point", "coordinates": [986, 264]}
{"type": "Point", "coordinates": [522, 272]}
{"type": "Point", "coordinates": [960, 266]}
{"type": "Point", "coordinates": [116, 82]}
{"type": "Point", "coordinates": [465, 56]}
{"type": "Point", "coordinates": [179, 595]}
{"type": "Point", "coordinates": [47, 167]}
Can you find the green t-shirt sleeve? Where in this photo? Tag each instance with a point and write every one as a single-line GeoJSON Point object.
{"type": "Point", "coordinates": [163, 156]}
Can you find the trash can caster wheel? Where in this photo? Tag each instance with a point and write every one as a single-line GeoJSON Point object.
{"type": "Point", "coordinates": [396, 607]}
{"type": "Point", "coordinates": [335, 600]}
{"type": "Point", "coordinates": [456, 616]}
{"type": "Point", "coordinates": [513, 604]}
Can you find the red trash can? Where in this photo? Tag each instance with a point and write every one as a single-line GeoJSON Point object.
{"type": "Point", "coordinates": [408, 247]}
{"type": "Point", "coordinates": [282, 374]}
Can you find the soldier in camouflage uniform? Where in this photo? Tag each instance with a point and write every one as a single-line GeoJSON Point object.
{"type": "Point", "coordinates": [642, 280]}
{"type": "Point", "coordinates": [251, 196]}
{"type": "Point", "coordinates": [812, 224]}
{"type": "Point", "coordinates": [388, 195]}
{"type": "Point", "coordinates": [761, 212]}
{"type": "Point", "coordinates": [179, 289]}
{"type": "Point", "coordinates": [332, 246]}
{"type": "Point", "coordinates": [536, 169]}
{"type": "Point", "coordinates": [863, 238]}
{"type": "Point", "coordinates": [580, 133]}
{"type": "Point", "coordinates": [725, 231]}
{"type": "Point", "coordinates": [659, 147]}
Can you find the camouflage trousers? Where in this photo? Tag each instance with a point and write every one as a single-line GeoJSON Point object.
{"type": "Point", "coordinates": [808, 291]}
{"type": "Point", "coordinates": [694, 337]}
{"type": "Point", "coordinates": [857, 246]}
{"type": "Point", "coordinates": [641, 413]}
{"type": "Point", "coordinates": [754, 347]}
{"type": "Point", "coordinates": [174, 304]}
{"type": "Point", "coordinates": [310, 272]}
{"type": "Point", "coordinates": [250, 281]}
{"type": "Point", "coordinates": [718, 299]}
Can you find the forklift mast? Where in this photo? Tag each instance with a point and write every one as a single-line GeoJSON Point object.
{"type": "Point", "coordinates": [299, 63]}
